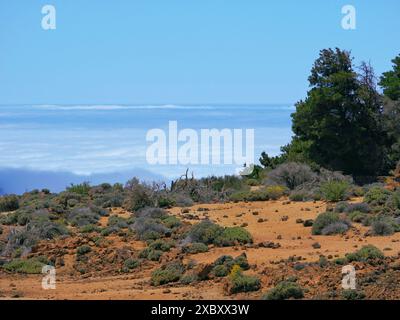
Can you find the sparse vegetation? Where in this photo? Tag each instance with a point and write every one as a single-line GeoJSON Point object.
{"type": "Point", "coordinates": [329, 223]}
{"type": "Point", "coordinates": [30, 266]}
{"type": "Point", "coordinates": [365, 254]}
{"type": "Point", "coordinates": [9, 203]}
{"type": "Point", "coordinates": [335, 190]}
{"type": "Point", "coordinates": [171, 272]}
{"type": "Point", "coordinates": [285, 290]}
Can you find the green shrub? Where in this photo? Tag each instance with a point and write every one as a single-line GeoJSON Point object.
{"type": "Point", "coordinates": [341, 206]}
{"type": "Point", "coordinates": [353, 295]}
{"type": "Point", "coordinates": [242, 262]}
{"type": "Point", "coordinates": [119, 222]}
{"type": "Point", "coordinates": [285, 290]}
{"type": "Point", "coordinates": [340, 261]}
{"type": "Point", "coordinates": [139, 196]}
{"type": "Point", "coordinates": [335, 228]}
{"type": "Point", "coordinates": [335, 191]}
{"type": "Point", "coordinates": [31, 266]}
{"type": "Point", "coordinates": [298, 196]}
{"type": "Point", "coordinates": [377, 196]}
{"type": "Point", "coordinates": [233, 235]}
{"type": "Point", "coordinates": [160, 245]}
{"type": "Point", "coordinates": [252, 182]}
{"type": "Point", "coordinates": [8, 203]}
{"type": "Point", "coordinates": [82, 188]}
{"type": "Point", "coordinates": [357, 216]}
{"type": "Point", "coordinates": [220, 270]}
{"type": "Point", "coordinates": [171, 222]}
{"type": "Point", "coordinates": [89, 228]}
{"type": "Point", "coordinates": [82, 250]}
{"type": "Point", "coordinates": [83, 216]}
{"type": "Point", "coordinates": [243, 283]}
{"type": "Point", "coordinates": [148, 228]}
{"type": "Point", "coordinates": [194, 248]}
{"type": "Point", "coordinates": [151, 254]}
{"type": "Point", "coordinates": [205, 232]}
{"type": "Point", "coordinates": [169, 273]}
{"type": "Point", "coordinates": [324, 220]}
{"type": "Point", "coordinates": [189, 278]}
{"type": "Point", "coordinates": [131, 264]}
{"type": "Point", "coordinates": [382, 227]}
{"type": "Point", "coordinates": [275, 192]}
{"type": "Point", "coordinates": [365, 254]}
{"type": "Point", "coordinates": [109, 230]}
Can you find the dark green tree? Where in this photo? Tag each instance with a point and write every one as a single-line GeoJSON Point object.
{"type": "Point", "coordinates": [390, 83]}
{"type": "Point", "coordinates": [339, 124]}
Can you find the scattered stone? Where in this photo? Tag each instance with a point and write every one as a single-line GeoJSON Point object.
{"type": "Point", "coordinates": [299, 221]}
{"type": "Point", "coordinates": [308, 223]}
{"type": "Point", "coordinates": [285, 218]}
{"type": "Point", "coordinates": [269, 244]}
{"type": "Point", "coordinates": [316, 245]}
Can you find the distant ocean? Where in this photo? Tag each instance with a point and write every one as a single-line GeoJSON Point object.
{"type": "Point", "coordinates": [54, 145]}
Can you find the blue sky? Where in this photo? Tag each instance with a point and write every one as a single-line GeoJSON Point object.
{"type": "Point", "coordinates": [179, 51]}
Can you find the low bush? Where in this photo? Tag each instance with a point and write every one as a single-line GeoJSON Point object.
{"type": "Point", "coordinates": [130, 264]}
{"type": "Point", "coordinates": [220, 270]}
{"type": "Point", "coordinates": [171, 222]}
{"type": "Point", "coordinates": [89, 228]}
{"type": "Point", "coordinates": [224, 264]}
{"type": "Point", "coordinates": [382, 227]}
{"type": "Point", "coordinates": [284, 290]}
{"type": "Point", "coordinates": [80, 217]}
{"type": "Point", "coordinates": [189, 278]}
{"type": "Point", "coordinates": [275, 192]}
{"type": "Point", "coordinates": [365, 254]}
{"type": "Point", "coordinates": [151, 254]}
{"type": "Point", "coordinates": [182, 200]}
{"type": "Point", "coordinates": [324, 220]}
{"type": "Point", "coordinates": [30, 266]}
{"type": "Point", "coordinates": [357, 216]}
{"type": "Point", "coordinates": [160, 245]}
{"type": "Point", "coordinates": [335, 191]}
{"type": "Point", "coordinates": [377, 196]}
{"type": "Point", "coordinates": [148, 228]}
{"type": "Point", "coordinates": [335, 228]}
{"type": "Point", "coordinates": [291, 175]}
{"type": "Point", "coordinates": [194, 248]}
{"type": "Point", "coordinates": [341, 206]}
{"type": "Point", "coordinates": [82, 188]}
{"type": "Point", "coordinates": [298, 196]}
{"type": "Point", "coordinates": [153, 213]}
{"type": "Point", "coordinates": [360, 207]}
{"type": "Point", "coordinates": [118, 222]}
{"type": "Point", "coordinates": [46, 229]}
{"type": "Point", "coordinates": [8, 203]}
{"type": "Point", "coordinates": [353, 295]}
{"type": "Point", "coordinates": [171, 272]}
{"type": "Point", "coordinates": [233, 235]}
{"type": "Point", "coordinates": [139, 196]}
{"type": "Point", "coordinates": [238, 282]}
{"type": "Point", "coordinates": [82, 250]}
{"type": "Point", "coordinates": [205, 232]}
